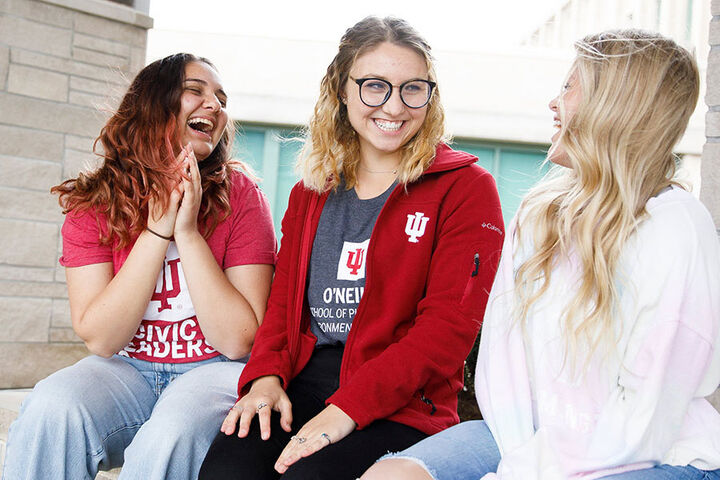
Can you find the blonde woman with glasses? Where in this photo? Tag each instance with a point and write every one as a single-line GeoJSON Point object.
{"type": "Point", "coordinates": [600, 339]}
{"type": "Point", "coordinates": [387, 257]}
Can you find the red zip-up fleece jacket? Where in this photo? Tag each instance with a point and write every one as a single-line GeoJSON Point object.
{"type": "Point", "coordinates": [431, 261]}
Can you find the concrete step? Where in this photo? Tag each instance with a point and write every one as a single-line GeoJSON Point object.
{"type": "Point", "coordinates": [10, 401]}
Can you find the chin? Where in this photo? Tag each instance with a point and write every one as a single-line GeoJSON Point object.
{"type": "Point", "coordinates": [560, 159]}
{"type": "Point", "coordinates": [202, 150]}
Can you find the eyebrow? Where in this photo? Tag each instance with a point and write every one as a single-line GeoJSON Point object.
{"type": "Point", "coordinates": [198, 80]}
{"type": "Point", "coordinates": [382, 77]}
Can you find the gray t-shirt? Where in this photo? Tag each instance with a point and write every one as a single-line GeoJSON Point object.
{"type": "Point", "coordinates": [337, 264]}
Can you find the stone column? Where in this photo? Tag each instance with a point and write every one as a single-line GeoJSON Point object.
{"type": "Point", "coordinates": [710, 170]}
{"type": "Point", "coordinates": [710, 192]}
{"type": "Point", "coordinates": [60, 62]}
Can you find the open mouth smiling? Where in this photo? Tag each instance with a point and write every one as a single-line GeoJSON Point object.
{"type": "Point", "coordinates": [200, 124]}
{"type": "Point", "coordinates": [388, 126]}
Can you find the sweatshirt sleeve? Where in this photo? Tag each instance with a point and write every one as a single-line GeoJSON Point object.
{"type": "Point", "coordinates": [669, 359]}
{"type": "Point", "coordinates": [448, 316]}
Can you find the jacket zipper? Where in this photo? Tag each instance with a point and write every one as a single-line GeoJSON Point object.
{"type": "Point", "coordinates": [368, 278]}
{"type": "Point", "coordinates": [476, 262]}
{"type": "Point", "coordinates": [427, 401]}
{"type": "Point", "coordinates": [302, 278]}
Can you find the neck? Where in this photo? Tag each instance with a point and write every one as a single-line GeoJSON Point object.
{"type": "Point", "coordinates": [376, 172]}
{"type": "Point", "coordinates": [380, 163]}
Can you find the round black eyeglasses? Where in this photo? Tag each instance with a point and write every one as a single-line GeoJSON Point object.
{"type": "Point", "coordinates": [375, 92]}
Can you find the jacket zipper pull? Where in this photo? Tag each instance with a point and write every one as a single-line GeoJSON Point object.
{"type": "Point", "coordinates": [428, 402]}
{"type": "Point", "coordinates": [476, 261]}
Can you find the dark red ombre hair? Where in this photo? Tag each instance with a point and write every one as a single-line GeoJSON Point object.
{"type": "Point", "coordinates": [139, 163]}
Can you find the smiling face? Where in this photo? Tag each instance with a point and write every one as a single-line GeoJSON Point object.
{"type": "Point", "coordinates": [570, 96]}
{"type": "Point", "coordinates": [384, 130]}
{"type": "Point", "coordinates": [202, 117]}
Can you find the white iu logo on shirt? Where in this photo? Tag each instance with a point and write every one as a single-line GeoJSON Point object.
{"type": "Point", "coordinates": [352, 260]}
{"type": "Point", "coordinates": [415, 226]}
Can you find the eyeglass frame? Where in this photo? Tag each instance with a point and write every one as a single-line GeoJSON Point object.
{"type": "Point", "coordinates": [361, 81]}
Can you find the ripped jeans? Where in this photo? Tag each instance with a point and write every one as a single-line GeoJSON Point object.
{"type": "Point", "coordinates": [468, 451]}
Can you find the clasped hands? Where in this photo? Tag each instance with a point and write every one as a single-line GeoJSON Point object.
{"type": "Point", "coordinates": [266, 394]}
{"type": "Point", "coordinates": [180, 216]}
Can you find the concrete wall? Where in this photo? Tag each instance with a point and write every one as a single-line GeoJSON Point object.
{"type": "Point", "coordinates": [61, 63]}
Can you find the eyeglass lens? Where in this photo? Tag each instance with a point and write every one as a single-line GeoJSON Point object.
{"type": "Point", "coordinates": [375, 92]}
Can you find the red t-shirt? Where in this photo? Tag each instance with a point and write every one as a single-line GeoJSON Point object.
{"type": "Point", "coordinates": [169, 331]}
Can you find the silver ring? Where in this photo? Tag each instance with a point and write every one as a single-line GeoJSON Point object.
{"type": "Point", "coordinates": [326, 437]}
{"type": "Point", "coordinates": [261, 405]}
{"type": "Point", "coordinates": [298, 439]}
{"type": "Point", "coordinates": [237, 407]}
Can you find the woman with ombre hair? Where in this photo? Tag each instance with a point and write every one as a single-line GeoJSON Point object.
{"type": "Point", "coordinates": [389, 243]}
{"type": "Point", "coordinates": [600, 340]}
{"type": "Point", "coordinates": [168, 252]}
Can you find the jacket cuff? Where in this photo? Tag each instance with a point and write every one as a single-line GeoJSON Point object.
{"type": "Point", "coordinates": [352, 408]}
{"type": "Point", "coordinates": [261, 367]}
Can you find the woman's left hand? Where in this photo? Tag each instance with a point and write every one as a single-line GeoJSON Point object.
{"type": "Point", "coordinates": [329, 426]}
{"type": "Point", "coordinates": [186, 221]}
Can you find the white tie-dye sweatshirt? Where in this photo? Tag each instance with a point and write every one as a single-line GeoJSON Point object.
{"type": "Point", "coordinates": [641, 406]}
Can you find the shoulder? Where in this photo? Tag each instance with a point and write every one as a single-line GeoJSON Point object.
{"type": "Point", "coordinates": [245, 192]}
{"type": "Point", "coordinates": [675, 218]}
{"type": "Point", "coordinates": [83, 221]}
{"type": "Point", "coordinates": [457, 165]}
{"type": "Point", "coordinates": [241, 183]}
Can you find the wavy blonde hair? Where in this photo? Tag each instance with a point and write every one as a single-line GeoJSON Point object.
{"type": "Point", "coordinates": [331, 148]}
{"type": "Point", "coordinates": [638, 92]}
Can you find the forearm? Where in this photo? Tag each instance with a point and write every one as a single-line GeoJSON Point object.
{"type": "Point", "coordinates": [111, 318]}
{"type": "Point", "coordinates": [226, 317]}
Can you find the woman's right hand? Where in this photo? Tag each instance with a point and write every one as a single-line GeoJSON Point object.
{"type": "Point", "coordinates": [163, 221]}
{"type": "Point", "coordinates": [265, 395]}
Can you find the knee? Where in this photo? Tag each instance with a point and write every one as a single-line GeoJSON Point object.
{"type": "Point", "coordinates": [52, 399]}
{"type": "Point", "coordinates": [397, 469]}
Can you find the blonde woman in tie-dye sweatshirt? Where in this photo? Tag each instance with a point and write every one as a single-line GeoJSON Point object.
{"type": "Point", "coordinates": [600, 340]}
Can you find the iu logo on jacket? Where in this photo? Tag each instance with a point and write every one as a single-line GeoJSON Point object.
{"type": "Point", "coordinates": [415, 226]}
{"type": "Point", "coordinates": [352, 260]}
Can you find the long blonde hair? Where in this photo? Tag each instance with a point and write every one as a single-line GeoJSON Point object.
{"type": "Point", "coordinates": [331, 147]}
{"type": "Point", "coordinates": [638, 92]}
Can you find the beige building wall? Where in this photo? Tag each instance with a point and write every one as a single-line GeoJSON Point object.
{"type": "Point", "coordinates": [60, 60]}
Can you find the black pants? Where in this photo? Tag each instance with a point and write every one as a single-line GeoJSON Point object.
{"type": "Point", "coordinates": [252, 458]}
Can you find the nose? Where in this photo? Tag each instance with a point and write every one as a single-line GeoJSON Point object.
{"type": "Point", "coordinates": [554, 104]}
{"type": "Point", "coordinates": [212, 102]}
{"type": "Point", "coordinates": [394, 104]}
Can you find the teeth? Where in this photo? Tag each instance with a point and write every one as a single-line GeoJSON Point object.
{"type": "Point", "coordinates": [201, 121]}
{"type": "Point", "coordinates": [388, 126]}
{"type": "Point", "coordinates": [557, 124]}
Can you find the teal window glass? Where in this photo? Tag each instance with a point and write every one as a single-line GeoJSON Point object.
{"type": "Point", "coordinates": [271, 155]}
{"type": "Point", "coordinates": [515, 170]}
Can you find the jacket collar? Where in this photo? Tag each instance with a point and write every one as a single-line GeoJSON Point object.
{"type": "Point", "coordinates": [448, 159]}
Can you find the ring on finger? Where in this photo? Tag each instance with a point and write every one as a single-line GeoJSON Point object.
{"type": "Point", "coordinates": [261, 405]}
{"type": "Point", "coordinates": [298, 439]}
{"type": "Point", "coordinates": [326, 437]}
{"type": "Point", "coordinates": [237, 407]}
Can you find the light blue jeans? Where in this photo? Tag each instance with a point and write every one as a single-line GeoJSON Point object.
{"type": "Point", "coordinates": [101, 413]}
{"type": "Point", "coordinates": [468, 451]}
